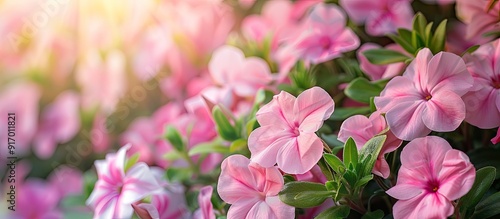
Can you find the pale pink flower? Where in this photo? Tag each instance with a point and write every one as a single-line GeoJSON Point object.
{"type": "Point", "coordinates": [287, 133]}
{"type": "Point", "coordinates": [427, 97]}
{"type": "Point", "coordinates": [457, 42]}
{"type": "Point", "coordinates": [99, 135]}
{"type": "Point", "coordinates": [244, 76]}
{"type": "Point", "coordinates": [22, 100]}
{"type": "Point", "coordinates": [115, 189]}
{"type": "Point", "coordinates": [325, 35]}
{"type": "Point", "coordinates": [165, 206]}
{"type": "Point", "coordinates": [380, 17]}
{"type": "Point", "coordinates": [252, 190]}
{"type": "Point", "coordinates": [60, 122]}
{"type": "Point", "coordinates": [431, 176]}
{"type": "Point", "coordinates": [473, 13]}
{"type": "Point", "coordinates": [362, 129]}
{"type": "Point", "coordinates": [377, 72]}
{"type": "Point", "coordinates": [67, 180]}
{"type": "Point", "coordinates": [206, 210]}
{"type": "Point", "coordinates": [483, 100]}
{"type": "Point", "coordinates": [38, 199]}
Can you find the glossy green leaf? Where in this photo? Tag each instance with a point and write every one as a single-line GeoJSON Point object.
{"type": "Point", "coordinates": [224, 127]}
{"type": "Point", "coordinates": [439, 38]}
{"type": "Point", "coordinates": [488, 208]}
{"type": "Point", "coordinates": [175, 138]}
{"type": "Point", "coordinates": [484, 178]}
{"type": "Point", "coordinates": [343, 113]}
{"type": "Point", "coordinates": [363, 181]}
{"type": "Point", "coordinates": [419, 23]}
{"type": "Point", "coordinates": [384, 56]}
{"type": "Point", "coordinates": [369, 153]}
{"type": "Point", "coordinates": [335, 163]}
{"type": "Point", "coordinates": [335, 212]}
{"type": "Point", "coordinates": [360, 89]}
{"type": "Point", "coordinates": [208, 147]}
{"type": "Point", "coordinates": [304, 194]}
{"type": "Point", "coordinates": [350, 153]}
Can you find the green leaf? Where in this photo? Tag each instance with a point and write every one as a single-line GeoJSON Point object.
{"type": "Point", "coordinates": [341, 114]}
{"type": "Point", "coordinates": [369, 153]}
{"type": "Point", "coordinates": [209, 147]}
{"type": "Point", "coordinates": [428, 34]}
{"type": "Point", "coordinates": [363, 181]}
{"type": "Point", "coordinates": [439, 38]}
{"type": "Point", "coordinates": [384, 56]}
{"type": "Point", "coordinates": [419, 23]}
{"type": "Point", "coordinates": [378, 214]}
{"type": "Point", "coordinates": [489, 207]}
{"type": "Point", "coordinates": [484, 178]}
{"type": "Point", "coordinates": [172, 155]}
{"type": "Point", "coordinates": [251, 125]}
{"type": "Point", "coordinates": [224, 127]}
{"type": "Point", "coordinates": [175, 138]}
{"type": "Point", "coordinates": [238, 145]}
{"type": "Point", "coordinates": [178, 174]}
{"type": "Point", "coordinates": [335, 212]}
{"type": "Point", "coordinates": [350, 153]}
{"type": "Point", "coordinates": [417, 41]}
{"type": "Point", "coordinates": [404, 42]}
{"type": "Point", "coordinates": [470, 50]}
{"type": "Point", "coordinates": [334, 162]}
{"type": "Point", "coordinates": [304, 194]}
{"type": "Point", "coordinates": [360, 89]}
{"type": "Point", "coordinates": [131, 161]}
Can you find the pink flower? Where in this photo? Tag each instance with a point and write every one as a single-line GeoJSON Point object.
{"type": "Point", "coordinates": [432, 174]}
{"type": "Point", "coordinates": [99, 135]}
{"type": "Point", "coordinates": [38, 199]}
{"type": "Point", "coordinates": [116, 190]}
{"type": "Point", "coordinates": [287, 133]}
{"type": "Point", "coordinates": [21, 99]}
{"type": "Point", "coordinates": [252, 190]}
{"type": "Point", "coordinates": [206, 210]}
{"type": "Point", "coordinates": [427, 97]}
{"type": "Point", "coordinates": [377, 72]}
{"type": "Point", "coordinates": [473, 13]}
{"type": "Point", "coordinates": [457, 42]}
{"type": "Point", "coordinates": [362, 129]}
{"type": "Point", "coordinates": [496, 139]}
{"type": "Point", "coordinates": [164, 206]}
{"type": "Point", "coordinates": [380, 17]}
{"type": "Point", "coordinates": [244, 76]}
{"type": "Point", "coordinates": [325, 36]}
{"type": "Point", "coordinates": [67, 180]}
{"type": "Point", "coordinates": [483, 100]}
{"type": "Point", "coordinates": [60, 123]}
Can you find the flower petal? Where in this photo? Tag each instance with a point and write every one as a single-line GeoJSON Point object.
{"type": "Point", "coordinates": [236, 181]}
{"type": "Point", "coordinates": [265, 142]}
{"type": "Point", "coordinates": [301, 156]}
{"type": "Point", "coordinates": [313, 106]}
{"type": "Point", "coordinates": [481, 110]}
{"type": "Point", "coordinates": [398, 90]}
{"type": "Point", "coordinates": [444, 111]}
{"type": "Point", "coordinates": [405, 120]}
{"type": "Point", "coordinates": [278, 112]}
{"type": "Point", "coordinates": [457, 175]}
{"type": "Point", "coordinates": [359, 128]}
{"type": "Point", "coordinates": [447, 71]}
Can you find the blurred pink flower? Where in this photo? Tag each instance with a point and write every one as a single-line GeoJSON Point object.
{"type": "Point", "coordinates": [67, 180]}
{"type": "Point", "coordinates": [244, 76]}
{"type": "Point", "coordinates": [431, 176]}
{"type": "Point", "coordinates": [477, 19]}
{"type": "Point", "coordinates": [377, 72]}
{"type": "Point", "coordinates": [99, 136]}
{"type": "Point", "coordinates": [457, 42]}
{"type": "Point", "coordinates": [60, 122]}
{"type": "Point", "coordinates": [21, 99]}
{"type": "Point", "coordinates": [483, 100]}
{"type": "Point", "coordinates": [362, 129]}
{"type": "Point", "coordinates": [206, 210]}
{"type": "Point", "coordinates": [37, 199]}
{"type": "Point", "coordinates": [287, 133]}
{"type": "Point", "coordinates": [102, 81]}
{"type": "Point", "coordinates": [496, 139]}
{"type": "Point", "coordinates": [252, 190]}
{"type": "Point", "coordinates": [164, 206]}
{"type": "Point", "coordinates": [380, 17]}
{"type": "Point", "coordinates": [115, 189]}
{"type": "Point", "coordinates": [324, 36]}
{"type": "Point", "coordinates": [427, 97]}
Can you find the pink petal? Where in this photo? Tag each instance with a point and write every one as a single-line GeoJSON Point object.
{"type": "Point", "coordinates": [447, 71]}
{"type": "Point", "coordinates": [313, 106]}
{"type": "Point", "coordinates": [261, 210]}
{"type": "Point", "coordinates": [280, 209]}
{"type": "Point", "coordinates": [398, 90]}
{"type": "Point", "coordinates": [300, 157]}
{"type": "Point", "coordinates": [359, 128]}
{"type": "Point", "coordinates": [277, 112]}
{"type": "Point", "coordinates": [481, 110]}
{"type": "Point", "coordinates": [236, 182]}
{"type": "Point", "coordinates": [417, 71]}
{"type": "Point", "coordinates": [267, 180]}
{"type": "Point", "coordinates": [457, 175]}
{"type": "Point", "coordinates": [138, 183]}
{"type": "Point", "coordinates": [225, 60]}
{"type": "Point", "coordinates": [427, 152]}
{"type": "Point", "coordinates": [242, 207]}
{"type": "Point", "coordinates": [265, 142]}
{"type": "Point", "coordinates": [327, 14]}
{"type": "Point", "coordinates": [444, 111]}
{"type": "Point", "coordinates": [359, 10]}
{"type": "Point", "coordinates": [496, 139]}
{"type": "Point", "coordinates": [405, 120]}
{"type": "Point", "coordinates": [404, 191]}
{"type": "Point", "coordinates": [423, 206]}
{"type": "Point", "coordinates": [206, 208]}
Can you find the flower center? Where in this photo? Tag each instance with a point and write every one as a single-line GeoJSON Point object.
{"type": "Point", "coordinates": [432, 186]}
{"type": "Point", "coordinates": [428, 97]}
{"type": "Point", "coordinates": [325, 42]}
{"type": "Point", "coordinates": [296, 132]}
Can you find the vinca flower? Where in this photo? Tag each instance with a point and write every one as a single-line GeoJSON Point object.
{"type": "Point", "coordinates": [431, 176]}
{"type": "Point", "coordinates": [252, 190]}
{"type": "Point", "coordinates": [287, 133]}
{"type": "Point", "coordinates": [427, 97]}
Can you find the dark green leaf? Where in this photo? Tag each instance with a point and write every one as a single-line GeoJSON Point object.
{"type": "Point", "coordinates": [484, 178]}
{"type": "Point", "coordinates": [224, 127]}
{"type": "Point", "coordinates": [304, 194]}
{"type": "Point", "coordinates": [360, 89]}
{"type": "Point", "coordinates": [178, 174]}
{"type": "Point", "coordinates": [350, 153]}
{"type": "Point", "coordinates": [384, 56]}
{"type": "Point", "coordinates": [489, 207]}
{"type": "Point", "coordinates": [378, 214]}
{"type": "Point", "coordinates": [363, 181]}
{"type": "Point", "coordinates": [404, 42]}
{"type": "Point", "coordinates": [335, 212]}
{"type": "Point", "coordinates": [174, 137]}
{"type": "Point", "coordinates": [341, 114]}
{"type": "Point", "coordinates": [209, 147]}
